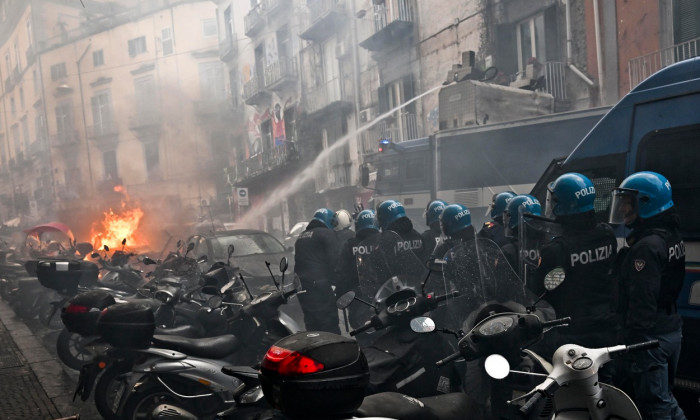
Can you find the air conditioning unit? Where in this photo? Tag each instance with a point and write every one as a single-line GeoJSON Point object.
{"type": "Point", "coordinates": [366, 115]}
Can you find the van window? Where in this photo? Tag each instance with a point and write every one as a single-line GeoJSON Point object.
{"type": "Point", "coordinates": [674, 153]}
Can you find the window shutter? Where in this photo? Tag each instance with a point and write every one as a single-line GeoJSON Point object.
{"type": "Point", "coordinates": [686, 20]}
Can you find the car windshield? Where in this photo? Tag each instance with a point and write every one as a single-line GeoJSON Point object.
{"type": "Point", "coordinates": [298, 228]}
{"type": "Point", "coordinates": [246, 244]}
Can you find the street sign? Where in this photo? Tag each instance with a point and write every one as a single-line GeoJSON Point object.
{"type": "Point", "coordinates": [242, 196]}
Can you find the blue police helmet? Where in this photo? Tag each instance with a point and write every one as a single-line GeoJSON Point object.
{"type": "Point", "coordinates": [520, 204]}
{"type": "Point", "coordinates": [498, 204]}
{"type": "Point", "coordinates": [652, 190]}
{"type": "Point", "coordinates": [388, 212]}
{"type": "Point", "coordinates": [324, 216]}
{"type": "Point", "coordinates": [454, 218]}
{"type": "Point", "coordinates": [366, 219]}
{"type": "Point", "coordinates": [432, 212]}
{"type": "Point", "coordinates": [571, 193]}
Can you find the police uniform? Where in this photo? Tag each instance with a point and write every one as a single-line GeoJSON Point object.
{"type": "Point", "coordinates": [651, 277]}
{"type": "Point", "coordinates": [494, 231]}
{"type": "Point", "coordinates": [316, 255]}
{"type": "Point", "coordinates": [410, 239]}
{"type": "Point", "coordinates": [587, 256]}
{"type": "Point", "coordinates": [347, 277]}
{"type": "Point", "coordinates": [431, 239]}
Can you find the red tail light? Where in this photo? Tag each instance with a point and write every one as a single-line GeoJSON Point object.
{"type": "Point", "coordinates": [287, 362]}
{"type": "Point", "coordinates": [76, 309]}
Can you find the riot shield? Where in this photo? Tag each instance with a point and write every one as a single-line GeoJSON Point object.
{"type": "Point", "coordinates": [385, 265]}
{"type": "Point", "coordinates": [534, 233]}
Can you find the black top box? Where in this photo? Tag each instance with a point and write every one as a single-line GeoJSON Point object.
{"type": "Point", "coordinates": [65, 275]}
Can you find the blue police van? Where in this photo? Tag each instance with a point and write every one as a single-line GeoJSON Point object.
{"type": "Point", "coordinates": [655, 127]}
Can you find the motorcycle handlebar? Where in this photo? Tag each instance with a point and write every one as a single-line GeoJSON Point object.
{"type": "Point", "coordinates": [531, 402]}
{"type": "Point", "coordinates": [556, 322]}
{"type": "Point", "coordinates": [440, 298]}
{"type": "Point", "coordinates": [448, 359]}
{"type": "Point", "coordinates": [652, 344]}
{"type": "Point", "coordinates": [362, 329]}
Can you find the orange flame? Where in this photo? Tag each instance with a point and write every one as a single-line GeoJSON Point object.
{"type": "Point", "coordinates": [117, 226]}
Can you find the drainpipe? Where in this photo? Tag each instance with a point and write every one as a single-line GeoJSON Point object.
{"type": "Point", "coordinates": [599, 53]}
{"type": "Point", "coordinates": [569, 54]}
{"type": "Point", "coordinates": [82, 105]}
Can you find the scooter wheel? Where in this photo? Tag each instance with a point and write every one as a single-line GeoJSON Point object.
{"type": "Point", "coordinates": [71, 351]}
{"type": "Point", "coordinates": [143, 404]}
{"type": "Point", "coordinates": [110, 390]}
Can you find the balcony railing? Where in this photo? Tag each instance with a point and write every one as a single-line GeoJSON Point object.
{"type": "Point", "coordinates": [274, 6]}
{"type": "Point", "coordinates": [254, 20]}
{"type": "Point", "coordinates": [551, 78]}
{"type": "Point", "coordinates": [642, 67]}
{"type": "Point", "coordinates": [284, 69]}
{"type": "Point", "coordinates": [393, 22]}
{"type": "Point", "coordinates": [397, 10]}
{"type": "Point", "coordinates": [268, 160]}
{"type": "Point", "coordinates": [103, 131]}
{"type": "Point", "coordinates": [65, 138]}
{"type": "Point", "coordinates": [396, 130]}
{"type": "Point", "coordinates": [253, 90]}
{"type": "Point", "coordinates": [321, 19]}
{"type": "Point", "coordinates": [321, 96]}
{"type": "Point", "coordinates": [335, 176]}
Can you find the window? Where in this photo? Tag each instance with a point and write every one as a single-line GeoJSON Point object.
{"type": "Point", "coordinates": [211, 81]}
{"type": "Point", "coordinates": [166, 38]}
{"type": "Point", "coordinates": [151, 154]}
{"type": "Point", "coordinates": [25, 133]}
{"type": "Point", "coordinates": [145, 90]}
{"type": "Point", "coordinates": [531, 41]}
{"type": "Point", "coordinates": [284, 40]}
{"type": "Point", "coordinates": [17, 56]}
{"type": "Point", "coordinates": [35, 80]}
{"type": "Point", "coordinates": [58, 71]}
{"type": "Point", "coordinates": [102, 112]}
{"type": "Point", "coordinates": [30, 40]}
{"type": "Point", "coordinates": [686, 20]}
{"type": "Point", "coordinates": [13, 106]}
{"type": "Point", "coordinates": [109, 161]}
{"type": "Point", "coordinates": [39, 128]}
{"type": "Point", "coordinates": [21, 99]}
{"type": "Point", "coordinates": [16, 139]}
{"type": "Point", "coordinates": [98, 58]}
{"type": "Point", "coordinates": [64, 119]}
{"type": "Point", "coordinates": [228, 23]}
{"type": "Point", "coordinates": [673, 153]}
{"type": "Point", "coordinates": [137, 46]}
{"type": "Point", "coordinates": [208, 27]}
{"type": "Point", "coordinates": [8, 64]}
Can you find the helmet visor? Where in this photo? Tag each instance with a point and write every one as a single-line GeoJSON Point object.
{"type": "Point", "coordinates": [624, 208]}
{"type": "Point", "coordinates": [549, 203]}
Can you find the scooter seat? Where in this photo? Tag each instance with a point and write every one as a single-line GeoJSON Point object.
{"type": "Point", "coordinates": [188, 331]}
{"type": "Point", "coordinates": [208, 348]}
{"type": "Point", "coordinates": [455, 405]}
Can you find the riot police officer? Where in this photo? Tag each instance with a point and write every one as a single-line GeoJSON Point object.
{"type": "Point", "coordinates": [315, 258]}
{"type": "Point", "coordinates": [650, 279]}
{"type": "Point", "coordinates": [342, 221]}
{"type": "Point", "coordinates": [456, 226]}
{"type": "Point", "coordinates": [432, 236]}
{"type": "Point", "coordinates": [347, 278]}
{"type": "Point", "coordinates": [391, 216]}
{"type": "Point", "coordinates": [585, 251]}
{"type": "Point", "coordinates": [517, 205]}
{"type": "Point", "coordinates": [494, 229]}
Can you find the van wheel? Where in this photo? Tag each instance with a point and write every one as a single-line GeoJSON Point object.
{"type": "Point", "coordinates": [71, 350]}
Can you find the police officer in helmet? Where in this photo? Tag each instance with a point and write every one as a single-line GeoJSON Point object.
{"type": "Point", "coordinates": [495, 230]}
{"type": "Point", "coordinates": [315, 258]}
{"type": "Point", "coordinates": [585, 251]}
{"type": "Point", "coordinates": [391, 216]}
{"type": "Point", "coordinates": [346, 274]}
{"type": "Point", "coordinates": [456, 226]}
{"type": "Point", "coordinates": [517, 205]}
{"type": "Point", "coordinates": [342, 221]}
{"type": "Point", "coordinates": [651, 275]}
{"type": "Point", "coordinates": [432, 236]}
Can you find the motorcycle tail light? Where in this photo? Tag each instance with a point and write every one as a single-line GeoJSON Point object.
{"type": "Point", "coordinates": [76, 309]}
{"type": "Point", "coordinates": [289, 363]}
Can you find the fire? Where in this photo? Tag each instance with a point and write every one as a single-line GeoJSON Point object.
{"type": "Point", "coordinates": [119, 225]}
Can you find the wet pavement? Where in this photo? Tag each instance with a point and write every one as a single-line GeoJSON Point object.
{"type": "Point", "coordinates": [34, 384]}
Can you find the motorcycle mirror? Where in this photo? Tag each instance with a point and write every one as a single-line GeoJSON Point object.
{"type": "Point", "coordinates": [284, 264]}
{"type": "Point", "coordinates": [179, 243]}
{"type": "Point", "coordinates": [422, 324]}
{"type": "Point", "coordinates": [83, 248]}
{"type": "Point", "coordinates": [214, 302]}
{"type": "Point", "coordinates": [95, 255]}
{"type": "Point", "coordinates": [231, 248]}
{"type": "Point", "coordinates": [123, 241]}
{"type": "Point", "coordinates": [554, 278]}
{"type": "Point", "coordinates": [106, 248]}
{"type": "Point", "coordinates": [345, 300]}
{"type": "Point", "coordinates": [497, 366]}
{"type": "Point", "coordinates": [202, 259]}
{"type": "Point", "coordinates": [148, 261]}
{"type": "Point", "coordinates": [190, 246]}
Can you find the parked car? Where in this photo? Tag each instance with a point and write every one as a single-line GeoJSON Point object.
{"type": "Point", "coordinates": [293, 234]}
{"type": "Point", "coordinates": [251, 249]}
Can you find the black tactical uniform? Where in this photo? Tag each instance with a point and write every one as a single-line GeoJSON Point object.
{"type": "Point", "coordinates": [316, 255]}
{"type": "Point", "coordinates": [495, 231]}
{"type": "Point", "coordinates": [586, 252]}
{"type": "Point", "coordinates": [411, 239]}
{"type": "Point", "coordinates": [431, 238]}
{"type": "Point", "coordinates": [347, 277]}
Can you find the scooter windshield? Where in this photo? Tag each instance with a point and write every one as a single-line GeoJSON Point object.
{"type": "Point", "coordinates": [534, 233]}
{"type": "Point", "coordinates": [480, 272]}
{"type": "Point", "coordinates": [385, 266]}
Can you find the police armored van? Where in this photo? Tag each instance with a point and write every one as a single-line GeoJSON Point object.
{"type": "Point", "coordinates": [655, 127]}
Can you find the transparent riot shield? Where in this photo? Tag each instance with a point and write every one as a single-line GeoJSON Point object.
{"type": "Point", "coordinates": [534, 233]}
{"type": "Point", "coordinates": [385, 266]}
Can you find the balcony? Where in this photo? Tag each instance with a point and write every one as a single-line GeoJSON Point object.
{"type": "Point", "coordinates": [393, 24]}
{"type": "Point", "coordinates": [146, 121]}
{"type": "Point", "coordinates": [9, 84]}
{"type": "Point", "coordinates": [551, 78]}
{"type": "Point", "coordinates": [105, 134]}
{"type": "Point", "coordinates": [254, 21]}
{"type": "Point", "coordinates": [322, 19]}
{"type": "Point", "coordinates": [254, 92]}
{"type": "Point", "coordinates": [272, 7]}
{"type": "Point", "coordinates": [328, 98]}
{"type": "Point", "coordinates": [268, 161]}
{"type": "Point", "coordinates": [228, 48]}
{"type": "Point", "coordinates": [396, 129]}
{"type": "Point", "coordinates": [642, 67]}
{"type": "Point", "coordinates": [334, 177]}
{"type": "Point", "coordinates": [280, 73]}
{"type": "Point", "coordinates": [38, 148]}
{"type": "Point", "coordinates": [65, 139]}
